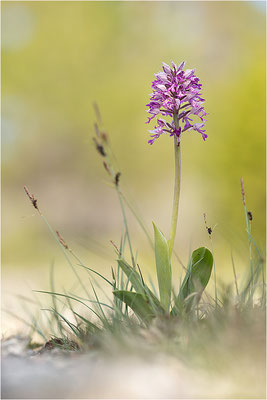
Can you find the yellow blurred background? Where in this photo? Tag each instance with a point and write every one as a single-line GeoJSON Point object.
{"type": "Point", "coordinates": [60, 57]}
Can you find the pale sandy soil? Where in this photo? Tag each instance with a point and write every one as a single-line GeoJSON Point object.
{"type": "Point", "coordinates": [54, 374]}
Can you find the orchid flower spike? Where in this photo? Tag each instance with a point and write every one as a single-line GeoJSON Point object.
{"type": "Point", "coordinates": [176, 93]}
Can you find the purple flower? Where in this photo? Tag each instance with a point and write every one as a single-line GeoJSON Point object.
{"type": "Point", "coordinates": [176, 94]}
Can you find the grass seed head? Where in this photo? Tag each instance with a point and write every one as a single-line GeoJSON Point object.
{"type": "Point", "coordinates": [32, 198]}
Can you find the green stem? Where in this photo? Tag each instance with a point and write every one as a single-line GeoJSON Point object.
{"type": "Point", "coordinates": [214, 273]}
{"type": "Point", "coordinates": [177, 184]}
{"type": "Point", "coordinates": [248, 225]}
{"type": "Point", "coordinates": [125, 224]}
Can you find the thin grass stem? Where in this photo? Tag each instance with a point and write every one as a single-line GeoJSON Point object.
{"type": "Point", "coordinates": [125, 224]}
{"type": "Point", "coordinates": [234, 271]}
{"type": "Point", "coordinates": [248, 226]}
{"type": "Point", "coordinates": [209, 230]}
{"type": "Point", "coordinates": [65, 254]}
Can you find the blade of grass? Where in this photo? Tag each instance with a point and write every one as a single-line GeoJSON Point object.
{"type": "Point", "coordinates": [248, 226]}
{"type": "Point", "coordinates": [95, 272]}
{"type": "Point", "coordinates": [26, 323]}
{"type": "Point", "coordinates": [74, 329]}
{"type": "Point", "coordinates": [54, 299]}
{"type": "Point", "coordinates": [234, 271]}
{"type": "Point", "coordinates": [89, 323]}
{"type": "Point", "coordinates": [71, 297]}
{"type": "Point", "coordinates": [64, 253]}
{"type": "Point", "coordinates": [91, 301]}
{"type": "Point", "coordinates": [209, 230]}
{"type": "Point", "coordinates": [105, 320]}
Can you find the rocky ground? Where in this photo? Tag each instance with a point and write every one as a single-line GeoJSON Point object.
{"type": "Point", "coordinates": [53, 373]}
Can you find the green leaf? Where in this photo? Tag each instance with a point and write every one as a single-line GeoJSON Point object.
{"type": "Point", "coordinates": [202, 262]}
{"type": "Point", "coordinates": [196, 278]}
{"type": "Point", "coordinates": [138, 302]}
{"type": "Point", "coordinates": [139, 285]}
{"type": "Point", "coordinates": [163, 265]}
{"type": "Point", "coordinates": [132, 275]}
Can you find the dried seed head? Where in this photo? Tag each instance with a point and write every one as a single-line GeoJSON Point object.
{"type": "Point", "coordinates": [117, 178]}
{"type": "Point", "coordinates": [104, 136]}
{"type": "Point", "coordinates": [96, 130]}
{"type": "Point", "coordinates": [62, 241]}
{"type": "Point", "coordinates": [208, 228]}
{"type": "Point", "coordinates": [113, 275]}
{"type": "Point", "coordinates": [243, 191]}
{"type": "Point", "coordinates": [99, 148]}
{"type": "Point", "coordinates": [97, 112]}
{"type": "Point", "coordinates": [31, 197]}
{"type": "Point", "coordinates": [116, 248]}
{"type": "Point", "coordinates": [106, 168]}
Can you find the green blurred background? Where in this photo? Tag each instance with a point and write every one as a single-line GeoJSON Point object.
{"type": "Point", "coordinates": [60, 57]}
